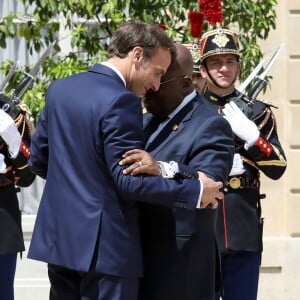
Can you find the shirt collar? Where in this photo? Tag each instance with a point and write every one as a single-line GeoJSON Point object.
{"type": "Point", "coordinates": [185, 101]}
{"type": "Point", "coordinates": [115, 69]}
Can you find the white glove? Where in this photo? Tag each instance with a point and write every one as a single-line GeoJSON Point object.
{"type": "Point", "coordinates": [9, 133]}
{"type": "Point", "coordinates": [237, 166]}
{"type": "Point", "coordinates": [244, 128]}
{"type": "Point", "coordinates": [2, 164]}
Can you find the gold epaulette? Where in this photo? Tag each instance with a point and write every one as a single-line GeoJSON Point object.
{"type": "Point", "coordinates": [213, 98]}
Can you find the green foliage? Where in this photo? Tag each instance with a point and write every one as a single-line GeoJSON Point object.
{"type": "Point", "coordinates": [254, 20]}
{"type": "Point", "coordinates": [89, 24]}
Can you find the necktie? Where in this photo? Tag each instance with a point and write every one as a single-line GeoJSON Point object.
{"type": "Point", "coordinates": [152, 126]}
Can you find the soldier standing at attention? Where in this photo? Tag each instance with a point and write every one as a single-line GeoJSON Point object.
{"type": "Point", "coordinates": [14, 173]}
{"type": "Point", "coordinates": [257, 149]}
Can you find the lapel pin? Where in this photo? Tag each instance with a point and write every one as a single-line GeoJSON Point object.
{"type": "Point", "coordinates": [175, 127]}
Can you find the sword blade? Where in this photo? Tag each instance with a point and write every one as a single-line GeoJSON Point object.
{"type": "Point", "coordinates": [8, 76]}
{"type": "Point", "coordinates": [247, 81]}
{"type": "Point", "coordinates": [34, 70]}
{"type": "Point", "coordinates": [260, 83]}
{"type": "Point", "coordinates": [271, 62]}
{"type": "Point", "coordinates": [22, 87]}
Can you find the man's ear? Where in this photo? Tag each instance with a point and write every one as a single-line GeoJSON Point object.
{"type": "Point", "coordinates": [202, 71]}
{"type": "Point", "coordinates": [239, 69]}
{"type": "Point", "coordinates": [137, 54]}
{"type": "Point", "coordinates": [187, 82]}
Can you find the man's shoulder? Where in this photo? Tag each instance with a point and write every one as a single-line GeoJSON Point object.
{"type": "Point", "coordinates": [203, 107]}
{"type": "Point", "coordinates": [264, 103]}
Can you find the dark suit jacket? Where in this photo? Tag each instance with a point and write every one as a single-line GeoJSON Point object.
{"type": "Point", "coordinates": [88, 215]}
{"type": "Point", "coordinates": [179, 246]}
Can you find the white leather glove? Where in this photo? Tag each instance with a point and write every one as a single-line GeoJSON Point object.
{"type": "Point", "coordinates": [237, 166]}
{"type": "Point", "coordinates": [9, 133]}
{"type": "Point", "coordinates": [2, 164]}
{"type": "Point", "coordinates": [244, 128]}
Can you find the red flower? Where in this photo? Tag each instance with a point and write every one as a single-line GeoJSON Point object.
{"type": "Point", "coordinates": [163, 26]}
{"type": "Point", "coordinates": [196, 21]}
{"type": "Point", "coordinates": [212, 10]}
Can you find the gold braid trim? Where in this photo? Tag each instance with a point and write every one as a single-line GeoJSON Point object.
{"type": "Point", "coordinates": [22, 167]}
{"type": "Point", "coordinates": [268, 114]}
{"type": "Point", "coordinates": [29, 127]}
{"type": "Point", "coordinates": [250, 162]}
{"type": "Point", "coordinates": [23, 119]}
{"type": "Point", "coordinates": [277, 163]}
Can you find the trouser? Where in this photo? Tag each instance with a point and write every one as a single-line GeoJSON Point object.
{"type": "Point", "coordinates": [240, 273]}
{"type": "Point", "coordinates": [8, 264]}
{"type": "Point", "coordinates": [74, 285]}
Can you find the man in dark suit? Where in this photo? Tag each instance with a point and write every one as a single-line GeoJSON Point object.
{"type": "Point", "coordinates": [87, 226]}
{"type": "Point", "coordinates": [179, 246]}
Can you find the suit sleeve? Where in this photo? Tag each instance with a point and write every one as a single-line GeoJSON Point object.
{"type": "Point", "coordinates": [122, 131]}
{"type": "Point", "coordinates": [212, 153]}
{"type": "Point", "coordinates": [38, 159]}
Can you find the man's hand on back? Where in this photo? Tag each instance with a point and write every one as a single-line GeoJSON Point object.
{"type": "Point", "coordinates": [211, 191]}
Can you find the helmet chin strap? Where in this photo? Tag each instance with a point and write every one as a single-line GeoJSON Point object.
{"type": "Point", "coordinates": [213, 80]}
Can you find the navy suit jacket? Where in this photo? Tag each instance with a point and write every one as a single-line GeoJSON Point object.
{"type": "Point", "coordinates": [88, 216]}
{"type": "Point", "coordinates": [179, 246]}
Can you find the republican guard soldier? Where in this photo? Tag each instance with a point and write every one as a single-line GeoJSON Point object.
{"type": "Point", "coordinates": [258, 149]}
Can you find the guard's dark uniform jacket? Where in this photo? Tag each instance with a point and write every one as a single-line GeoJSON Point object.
{"type": "Point", "coordinates": [239, 220]}
{"type": "Point", "coordinates": [18, 174]}
{"type": "Point", "coordinates": [11, 238]}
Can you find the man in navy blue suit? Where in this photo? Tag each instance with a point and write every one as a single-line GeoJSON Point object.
{"type": "Point", "coordinates": [179, 246]}
{"type": "Point", "coordinates": [87, 226]}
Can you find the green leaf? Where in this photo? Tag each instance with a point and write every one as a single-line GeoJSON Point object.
{"type": "Point", "coordinates": [252, 20]}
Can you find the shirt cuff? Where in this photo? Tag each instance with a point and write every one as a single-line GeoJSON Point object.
{"type": "Point", "coordinates": [168, 169]}
{"type": "Point", "coordinates": [200, 194]}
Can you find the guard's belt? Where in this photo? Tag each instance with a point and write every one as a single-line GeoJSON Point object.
{"type": "Point", "coordinates": [241, 182]}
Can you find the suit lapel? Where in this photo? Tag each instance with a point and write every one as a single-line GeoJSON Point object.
{"type": "Point", "coordinates": [175, 125]}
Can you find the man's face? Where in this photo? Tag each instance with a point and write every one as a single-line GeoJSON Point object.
{"type": "Point", "coordinates": [170, 94]}
{"type": "Point", "coordinates": [199, 82]}
{"type": "Point", "coordinates": [146, 74]}
{"type": "Point", "coordinates": [224, 69]}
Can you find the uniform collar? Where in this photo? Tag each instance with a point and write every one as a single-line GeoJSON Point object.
{"type": "Point", "coordinates": [218, 100]}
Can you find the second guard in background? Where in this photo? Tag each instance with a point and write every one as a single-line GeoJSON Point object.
{"type": "Point", "coordinates": [195, 25]}
{"type": "Point", "coordinates": [198, 81]}
{"type": "Point", "coordinates": [15, 140]}
{"type": "Point", "coordinates": [14, 172]}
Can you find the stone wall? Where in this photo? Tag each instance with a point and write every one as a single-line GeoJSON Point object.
{"type": "Point", "coordinates": [280, 265]}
